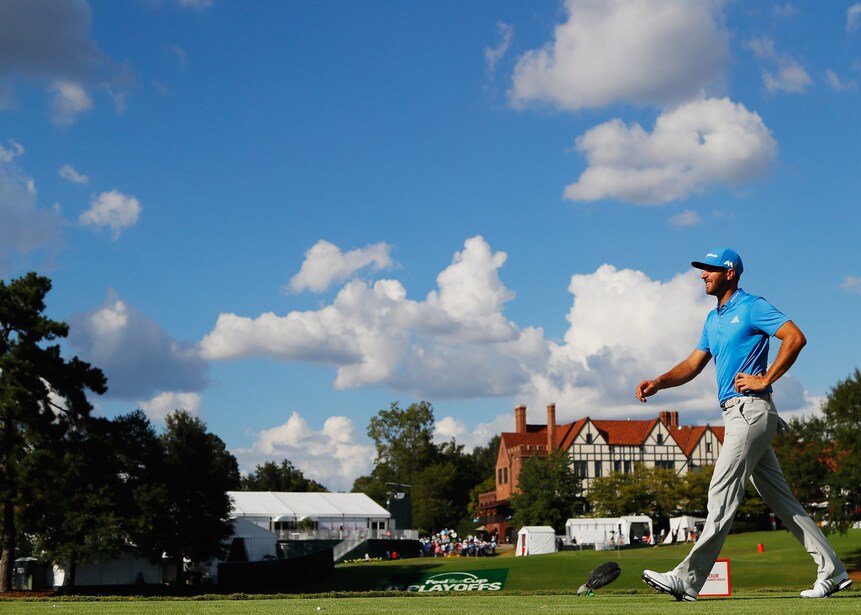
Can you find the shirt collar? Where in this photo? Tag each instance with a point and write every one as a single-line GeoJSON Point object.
{"type": "Point", "coordinates": [731, 301]}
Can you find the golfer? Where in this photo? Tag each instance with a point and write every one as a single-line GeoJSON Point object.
{"type": "Point", "coordinates": [736, 335]}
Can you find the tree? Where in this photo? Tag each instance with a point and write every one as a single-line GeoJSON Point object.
{"type": "Point", "coordinates": [199, 471]}
{"type": "Point", "coordinates": [646, 490]}
{"type": "Point", "coordinates": [485, 486]}
{"type": "Point", "coordinates": [484, 457]}
{"type": "Point", "coordinates": [403, 440]}
{"type": "Point", "coordinates": [42, 396]}
{"type": "Point", "coordinates": [404, 445]}
{"type": "Point", "coordinates": [96, 494]}
{"type": "Point", "coordinates": [842, 410]}
{"type": "Point", "coordinates": [694, 491]}
{"type": "Point", "coordinates": [141, 490]}
{"type": "Point", "coordinates": [802, 451]}
{"type": "Point", "coordinates": [272, 477]}
{"type": "Point", "coordinates": [436, 504]}
{"type": "Point", "coordinates": [548, 492]}
{"type": "Point", "coordinates": [72, 508]}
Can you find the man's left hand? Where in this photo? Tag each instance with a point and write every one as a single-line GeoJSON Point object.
{"type": "Point", "coordinates": [749, 382]}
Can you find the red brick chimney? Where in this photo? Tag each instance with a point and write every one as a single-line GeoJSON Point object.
{"type": "Point", "coordinates": [551, 428]}
{"type": "Point", "coordinates": [520, 419]}
{"type": "Point", "coordinates": [670, 418]}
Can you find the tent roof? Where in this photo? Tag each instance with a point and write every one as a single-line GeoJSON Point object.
{"type": "Point", "coordinates": [285, 505]}
{"type": "Point", "coordinates": [537, 529]}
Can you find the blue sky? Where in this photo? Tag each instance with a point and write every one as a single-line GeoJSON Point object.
{"type": "Point", "coordinates": [284, 216]}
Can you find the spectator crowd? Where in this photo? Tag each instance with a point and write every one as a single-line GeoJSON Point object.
{"type": "Point", "coordinates": [447, 543]}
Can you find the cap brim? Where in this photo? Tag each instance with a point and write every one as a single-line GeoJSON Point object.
{"type": "Point", "coordinates": [700, 265]}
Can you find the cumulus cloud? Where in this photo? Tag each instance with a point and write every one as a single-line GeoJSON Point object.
{"type": "Point", "coordinates": [786, 73]}
{"type": "Point", "coordinates": [685, 219]}
{"type": "Point", "coordinates": [853, 17]}
{"type": "Point", "coordinates": [23, 226]}
{"type": "Point", "coordinates": [325, 264]}
{"type": "Point", "coordinates": [492, 55]}
{"type": "Point", "coordinates": [70, 100]}
{"type": "Point", "coordinates": [69, 173]}
{"type": "Point", "coordinates": [331, 456]}
{"type": "Point", "coordinates": [697, 144]}
{"type": "Point", "coordinates": [654, 52]}
{"type": "Point", "coordinates": [852, 284]}
{"type": "Point", "coordinates": [114, 210]}
{"type": "Point", "coordinates": [48, 43]}
{"type": "Point", "coordinates": [195, 4]}
{"type": "Point", "coordinates": [163, 404]}
{"type": "Point", "coordinates": [375, 335]}
{"type": "Point", "coordinates": [458, 344]}
{"type": "Point", "coordinates": [139, 358]}
{"type": "Point", "coordinates": [837, 84]}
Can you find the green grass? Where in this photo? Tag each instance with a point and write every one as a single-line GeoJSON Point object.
{"type": "Point", "coordinates": [783, 565]}
{"type": "Point", "coordinates": [762, 583]}
{"type": "Point", "coordinates": [472, 604]}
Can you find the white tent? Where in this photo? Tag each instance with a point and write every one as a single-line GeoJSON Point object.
{"type": "Point", "coordinates": [258, 543]}
{"type": "Point", "coordinates": [536, 540]}
{"type": "Point", "coordinates": [609, 532]}
{"type": "Point", "coordinates": [333, 513]}
{"type": "Point", "coordinates": [679, 524]}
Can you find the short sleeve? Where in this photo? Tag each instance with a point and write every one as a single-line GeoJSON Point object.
{"type": "Point", "coordinates": [766, 317]}
{"type": "Point", "coordinates": [704, 338]}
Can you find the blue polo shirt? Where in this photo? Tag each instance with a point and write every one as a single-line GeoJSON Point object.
{"type": "Point", "coordinates": [737, 335]}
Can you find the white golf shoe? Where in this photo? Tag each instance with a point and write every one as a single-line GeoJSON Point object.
{"type": "Point", "coordinates": [825, 587]}
{"type": "Point", "coordinates": [670, 583]}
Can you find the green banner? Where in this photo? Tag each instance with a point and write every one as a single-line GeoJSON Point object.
{"type": "Point", "coordinates": [481, 580]}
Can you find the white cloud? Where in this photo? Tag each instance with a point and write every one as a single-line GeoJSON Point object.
{"type": "Point", "coordinates": [685, 219]}
{"type": "Point", "coordinates": [787, 75]}
{"type": "Point", "coordinates": [114, 210]}
{"type": "Point", "coordinates": [853, 17]}
{"type": "Point", "coordinates": [70, 100]}
{"type": "Point", "coordinates": [15, 150]}
{"type": "Point", "coordinates": [785, 10]}
{"type": "Point", "coordinates": [693, 146]}
{"type": "Point", "coordinates": [325, 264]}
{"type": "Point", "coordinates": [195, 4]}
{"type": "Point", "coordinates": [852, 284]}
{"type": "Point", "coordinates": [47, 43]}
{"type": "Point", "coordinates": [623, 327]}
{"type": "Point", "coordinates": [331, 456]}
{"type": "Point", "coordinates": [139, 358]}
{"type": "Point", "coordinates": [23, 227]}
{"type": "Point", "coordinates": [69, 173]}
{"type": "Point", "coordinates": [492, 55]}
{"type": "Point", "coordinates": [163, 404]}
{"type": "Point", "coordinates": [375, 335]}
{"type": "Point", "coordinates": [643, 52]}
{"type": "Point", "coordinates": [837, 84]}
{"type": "Point", "coordinates": [180, 55]}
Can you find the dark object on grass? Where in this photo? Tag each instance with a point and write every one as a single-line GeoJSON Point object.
{"type": "Point", "coordinates": [603, 575]}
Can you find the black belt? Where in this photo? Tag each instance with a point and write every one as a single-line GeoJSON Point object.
{"type": "Point", "coordinates": [732, 401]}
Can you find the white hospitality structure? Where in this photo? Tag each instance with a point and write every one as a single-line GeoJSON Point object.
{"type": "Point", "coordinates": [609, 533]}
{"type": "Point", "coordinates": [300, 516]}
{"type": "Point", "coordinates": [535, 540]}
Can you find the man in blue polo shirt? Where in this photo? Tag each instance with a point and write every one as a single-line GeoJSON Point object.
{"type": "Point", "coordinates": [736, 334]}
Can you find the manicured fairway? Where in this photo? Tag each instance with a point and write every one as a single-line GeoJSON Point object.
{"type": "Point", "coordinates": [472, 604]}
{"type": "Point", "coordinates": [763, 583]}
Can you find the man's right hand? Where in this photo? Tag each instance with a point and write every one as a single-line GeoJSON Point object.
{"type": "Point", "coordinates": [645, 389]}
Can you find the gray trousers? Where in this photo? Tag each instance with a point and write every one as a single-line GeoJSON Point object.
{"type": "Point", "coordinates": [751, 424]}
